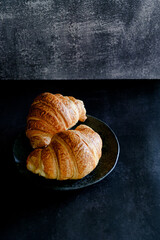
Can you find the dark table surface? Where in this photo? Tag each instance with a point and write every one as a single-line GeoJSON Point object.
{"type": "Point", "coordinates": [84, 39]}
{"type": "Point", "coordinates": [125, 205]}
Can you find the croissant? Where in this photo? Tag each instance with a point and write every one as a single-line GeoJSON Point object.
{"type": "Point", "coordinates": [72, 154]}
{"type": "Point", "coordinates": [50, 114]}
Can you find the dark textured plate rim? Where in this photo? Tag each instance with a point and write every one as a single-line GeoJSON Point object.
{"type": "Point", "coordinates": [65, 188]}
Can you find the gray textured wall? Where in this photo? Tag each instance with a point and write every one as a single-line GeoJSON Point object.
{"type": "Point", "coordinates": [62, 39]}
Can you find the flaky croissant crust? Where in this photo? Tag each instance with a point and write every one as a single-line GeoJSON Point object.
{"type": "Point", "coordinates": [72, 154]}
{"type": "Point", "coordinates": [50, 114]}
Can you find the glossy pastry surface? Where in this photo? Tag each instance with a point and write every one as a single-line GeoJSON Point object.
{"type": "Point", "coordinates": [50, 114]}
{"type": "Point", "coordinates": [72, 154]}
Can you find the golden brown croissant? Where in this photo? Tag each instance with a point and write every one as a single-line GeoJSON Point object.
{"type": "Point", "coordinates": [72, 154]}
{"type": "Point", "coordinates": [52, 113]}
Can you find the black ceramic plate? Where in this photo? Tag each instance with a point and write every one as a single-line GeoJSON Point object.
{"type": "Point", "coordinates": [108, 161]}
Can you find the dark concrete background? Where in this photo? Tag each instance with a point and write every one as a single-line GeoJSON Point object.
{"type": "Point", "coordinates": [79, 39]}
{"type": "Point", "coordinates": [123, 206]}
